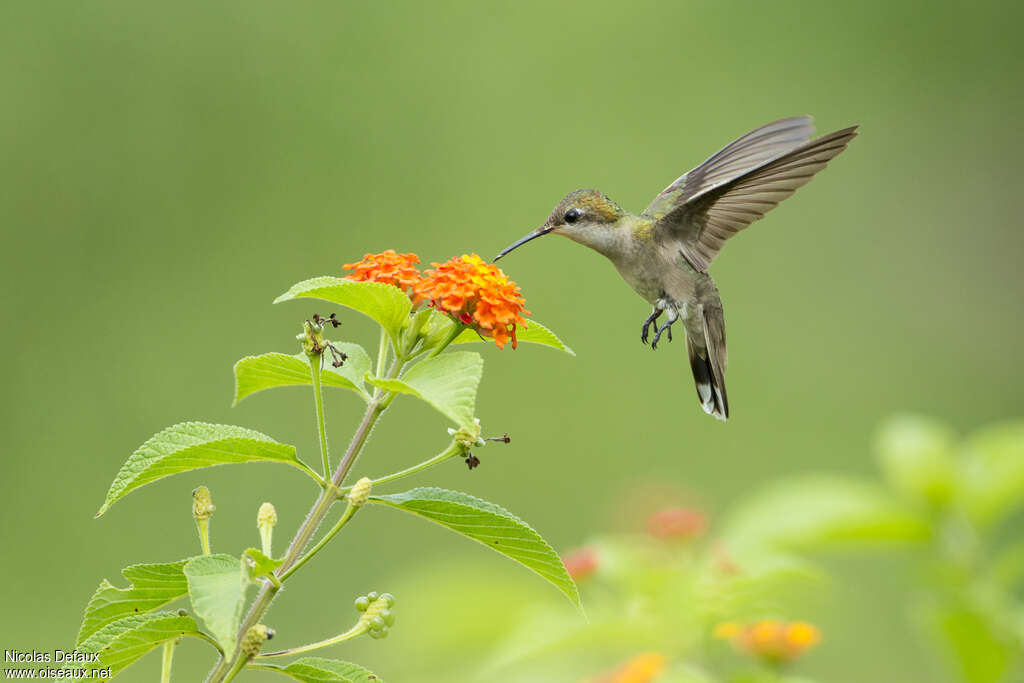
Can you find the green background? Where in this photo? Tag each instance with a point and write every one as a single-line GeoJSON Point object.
{"type": "Point", "coordinates": [168, 169]}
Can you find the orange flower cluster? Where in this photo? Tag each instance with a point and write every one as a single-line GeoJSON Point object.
{"type": "Point", "coordinates": [644, 668]}
{"type": "Point", "coordinates": [478, 294]}
{"type": "Point", "coordinates": [771, 639]}
{"type": "Point", "coordinates": [388, 268]}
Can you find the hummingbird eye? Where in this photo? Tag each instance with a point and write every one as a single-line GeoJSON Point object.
{"type": "Point", "coordinates": [572, 215]}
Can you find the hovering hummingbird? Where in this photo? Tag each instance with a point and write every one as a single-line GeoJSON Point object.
{"type": "Point", "coordinates": [664, 252]}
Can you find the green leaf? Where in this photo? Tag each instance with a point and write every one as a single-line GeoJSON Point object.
{"type": "Point", "coordinates": [321, 670]}
{"type": "Point", "coordinates": [258, 564]}
{"type": "Point", "coordinates": [386, 304]}
{"type": "Point", "coordinates": [489, 524]}
{"type": "Point", "coordinates": [994, 472]}
{"type": "Point", "coordinates": [822, 511]}
{"type": "Point", "coordinates": [916, 454]}
{"type": "Point", "coordinates": [216, 584]}
{"type": "Point", "coordinates": [982, 644]}
{"type": "Point", "coordinates": [256, 373]}
{"type": "Point", "coordinates": [192, 445]}
{"type": "Point", "coordinates": [534, 333]}
{"type": "Point", "coordinates": [123, 642]}
{"type": "Point", "coordinates": [150, 586]}
{"type": "Point", "coordinates": [448, 382]}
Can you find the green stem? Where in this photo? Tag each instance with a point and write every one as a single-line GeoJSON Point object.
{"type": "Point", "coordinates": [349, 511]}
{"type": "Point", "coordinates": [226, 665]}
{"type": "Point", "coordinates": [204, 534]}
{"type": "Point", "coordinates": [450, 452]}
{"type": "Point", "coordinates": [357, 630]}
{"type": "Point", "coordinates": [382, 352]}
{"type": "Point", "coordinates": [165, 671]}
{"type": "Point", "coordinates": [315, 362]}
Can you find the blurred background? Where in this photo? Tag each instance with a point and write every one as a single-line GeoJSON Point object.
{"type": "Point", "coordinates": [167, 170]}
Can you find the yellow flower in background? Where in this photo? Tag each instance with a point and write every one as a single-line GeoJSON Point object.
{"type": "Point", "coordinates": [770, 639]}
{"type": "Point", "coordinates": [643, 668]}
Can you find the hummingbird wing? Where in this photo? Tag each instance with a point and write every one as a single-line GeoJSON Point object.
{"type": "Point", "coordinates": [743, 154]}
{"type": "Point", "coordinates": [709, 213]}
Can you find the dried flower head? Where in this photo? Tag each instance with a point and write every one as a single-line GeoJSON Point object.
{"type": "Point", "coordinates": [387, 267]}
{"type": "Point", "coordinates": [477, 294]}
{"type": "Point", "coordinates": [771, 639]}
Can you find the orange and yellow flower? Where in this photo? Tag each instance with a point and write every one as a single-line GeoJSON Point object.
{"type": "Point", "coordinates": [771, 639]}
{"type": "Point", "coordinates": [477, 294]}
{"type": "Point", "coordinates": [387, 267]}
{"type": "Point", "coordinates": [643, 668]}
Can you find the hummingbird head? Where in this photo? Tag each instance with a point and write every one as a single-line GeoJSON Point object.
{"type": "Point", "coordinates": [585, 216]}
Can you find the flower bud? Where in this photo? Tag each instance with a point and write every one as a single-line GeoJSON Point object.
{"type": "Point", "coordinates": [202, 503]}
{"type": "Point", "coordinates": [254, 639]}
{"type": "Point", "coordinates": [360, 493]}
{"type": "Point", "coordinates": [377, 613]}
{"type": "Point", "coordinates": [266, 520]}
{"type": "Point", "coordinates": [202, 510]}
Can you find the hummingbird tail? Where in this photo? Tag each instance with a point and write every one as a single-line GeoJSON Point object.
{"type": "Point", "coordinates": [707, 361]}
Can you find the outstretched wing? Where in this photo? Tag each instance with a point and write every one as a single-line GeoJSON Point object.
{"type": "Point", "coordinates": [743, 154]}
{"type": "Point", "coordinates": [712, 212]}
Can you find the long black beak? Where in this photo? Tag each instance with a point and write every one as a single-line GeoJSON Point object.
{"type": "Point", "coordinates": [539, 232]}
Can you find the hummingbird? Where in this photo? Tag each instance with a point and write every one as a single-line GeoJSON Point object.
{"type": "Point", "coordinates": [664, 252]}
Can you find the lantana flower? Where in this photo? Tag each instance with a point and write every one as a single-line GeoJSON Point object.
{"type": "Point", "coordinates": [476, 294]}
{"type": "Point", "coordinates": [387, 267]}
{"type": "Point", "coordinates": [771, 639]}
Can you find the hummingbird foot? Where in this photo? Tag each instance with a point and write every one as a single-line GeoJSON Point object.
{"type": "Point", "coordinates": [649, 323]}
{"type": "Point", "coordinates": [667, 327]}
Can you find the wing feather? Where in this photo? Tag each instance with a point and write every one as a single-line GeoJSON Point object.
{"type": "Point", "coordinates": [714, 212]}
{"type": "Point", "coordinates": [738, 157]}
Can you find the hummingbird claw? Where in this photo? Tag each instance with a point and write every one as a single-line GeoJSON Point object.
{"type": "Point", "coordinates": [667, 327]}
{"type": "Point", "coordinates": [649, 323]}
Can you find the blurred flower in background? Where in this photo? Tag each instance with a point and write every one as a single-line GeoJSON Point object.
{"type": "Point", "coordinates": [387, 267]}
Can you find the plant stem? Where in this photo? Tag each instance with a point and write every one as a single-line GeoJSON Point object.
{"type": "Point", "coordinates": [349, 511]}
{"type": "Point", "coordinates": [314, 365]}
{"type": "Point", "coordinates": [165, 671]}
{"type": "Point", "coordinates": [382, 352]}
{"type": "Point", "coordinates": [227, 665]}
{"type": "Point", "coordinates": [357, 630]}
{"type": "Point", "coordinates": [446, 454]}
{"type": "Point", "coordinates": [204, 534]}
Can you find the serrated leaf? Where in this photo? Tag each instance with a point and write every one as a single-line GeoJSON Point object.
{"type": "Point", "coordinates": [448, 382]}
{"type": "Point", "coordinates": [822, 511]}
{"type": "Point", "coordinates": [269, 370]}
{"type": "Point", "coordinates": [534, 333]}
{"type": "Point", "coordinates": [491, 525]}
{"type": "Point", "coordinates": [150, 586]}
{"type": "Point", "coordinates": [258, 564]}
{"type": "Point", "coordinates": [192, 445]}
{"type": "Point", "coordinates": [386, 304]}
{"type": "Point", "coordinates": [216, 585]}
{"type": "Point", "coordinates": [124, 641]}
{"type": "Point", "coordinates": [322, 670]}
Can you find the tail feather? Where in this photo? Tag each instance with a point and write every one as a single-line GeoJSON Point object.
{"type": "Point", "coordinates": [708, 359]}
{"type": "Point", "coordinates": [710, 385]}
